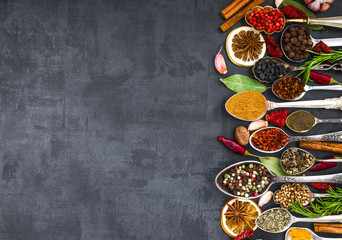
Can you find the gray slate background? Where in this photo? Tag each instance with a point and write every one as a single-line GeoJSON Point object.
{"type": "Point", "coordinates": [109, 114]}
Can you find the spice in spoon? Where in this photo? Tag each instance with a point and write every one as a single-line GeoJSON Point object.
{"type": "Point", "coordinates": [269, 139]}
{"type": "Point", "coordinates": [274, 220]}
{"type": "Point", "coordinates": [300, 121]}
{"type": "Point", "coordinates": [247, 105]}
{"type": "Point", "coordinates": [295, 161]}
{"type": "Point", "coordinates": [288, 87]}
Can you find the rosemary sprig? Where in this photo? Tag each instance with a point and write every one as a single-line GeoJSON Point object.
{"type": "Point", "coordinates": [328, 206]}
{"type": "Point", "coordinates": [319, 58]}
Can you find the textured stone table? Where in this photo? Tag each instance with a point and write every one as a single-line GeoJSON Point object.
{"type": "Point", "coordinates": [109, 114]}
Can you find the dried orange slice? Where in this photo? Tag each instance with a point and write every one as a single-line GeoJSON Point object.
{"type": "Point", "coordinates": [239, 215]}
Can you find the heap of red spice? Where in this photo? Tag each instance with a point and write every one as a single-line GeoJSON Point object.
{"type": "Point", "coordinates": [293, 12]}
{"type": "Point", "coordinates": [277, 118]}
{"type": "Point", "coordinates": [273, 48]}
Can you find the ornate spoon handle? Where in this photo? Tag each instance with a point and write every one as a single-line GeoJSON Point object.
{"type": "Point", "coordinates": [329, 103]}
{"type": "Point", "coordinates": [335, 136]}
{"type": "Point", "coordinates": [335, 178]}
{"type": "Point", "coordinates": [332, 218]}
{"type": "Point", "coordinates": [336, 120]}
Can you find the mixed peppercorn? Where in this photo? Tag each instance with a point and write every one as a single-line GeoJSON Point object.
{"type": "Point", "coordinates": [247, 180]}
{"type": "Point", "coordinates": [269, 20]}
{"type": "Point", "coordinates": [269, 139]}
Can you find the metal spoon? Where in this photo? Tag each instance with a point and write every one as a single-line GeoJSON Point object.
{"type": "Point", "coordinates": [329, 103]}
{"type": "Point", "coordinates": [335, 178]}
{"type": "Point", "coordinates": [316, 121]}
{"type": "Point", "coordinates": [332, 218]}
{"type": "Point", "coordinates": [335, 136]}
{"type": "Point", "coordinates": [312, 195]}
{"type": "Point", "coordinates": [308, 88]}
{"type": "Point", "coordinates": [314, 235]}
{"type": "Point", "coordinates": [322, 67]}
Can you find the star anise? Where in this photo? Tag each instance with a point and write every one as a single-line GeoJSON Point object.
{"type": "Point", "coordinates": [247, 45]}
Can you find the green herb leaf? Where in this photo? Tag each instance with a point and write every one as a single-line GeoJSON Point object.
{"type": "Point", "coordinates": [307, 12]}
{"type": "Point", "coordinates": [273, 164]}
{"type": "Point", "coordinates": [240, 83]}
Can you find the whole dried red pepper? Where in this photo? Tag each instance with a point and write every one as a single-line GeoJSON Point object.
{"type": "Point", "coordinates": [323, 186]}
{"type": "Point", "coordinates": [245, 234]}
{"type": "Point", "coordinates": [323, 165]}
{"type": "Point", "coordinates": [322, 79]}
{"type": "Point", "coordinates": [293, 12]}
{"type": "Point", "coordinates": [273, 48]}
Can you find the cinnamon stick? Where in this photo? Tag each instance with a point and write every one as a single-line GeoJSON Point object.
{"type": "Point", "coordinates": [233, 20]}
{"type": "Point", "coordinates": [323, 146]}
{"type": "Point", "coordinates": [232, 8]}
{"type": "Point", "coordinates": [328, 228]}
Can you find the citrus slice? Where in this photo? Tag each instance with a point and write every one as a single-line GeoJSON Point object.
{"type": "Point", "coordinates": [239, 215]}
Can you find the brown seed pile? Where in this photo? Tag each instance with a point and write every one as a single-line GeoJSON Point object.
{"type": "Point", "coordinates": [292, 193]}
{"type": "Point", "coordinates": [296, 40]}
{"type": "Point", "coordinates": [247, 45]}
{"type": "Point", "coordinates": [295, 161]}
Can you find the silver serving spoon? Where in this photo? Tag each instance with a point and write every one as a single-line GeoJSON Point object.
{"type": "Point", "coordinates": [334, 178]}
{"type": "Point", "coordinates": [332, 218]}
{"type": "Point", "coordinates": [316, 121]}
{"type": "Point", "coordinates": [312, 195]}
{"type": "Point", "coordinates": [314, 235]}
{"type": "Point", "coordinates": [308, 88]}
{"type": "Point", "coordinates": [335, 136]}
{"type": "Point", "coordinates": [313, 163]}
{"type": "Point", "coordinates": [329, 103]}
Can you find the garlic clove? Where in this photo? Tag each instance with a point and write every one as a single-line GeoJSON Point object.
{"type": "Point", "coordinates": [265, 198]}
{"type": "Point", "coordinates": [278, 3]}
{"type": "Point", "coordinates": [255, 125]}
{"type": "Point", "coordinates": [220, 64]}
{"type": "Point", "coordinates": [324, 7]}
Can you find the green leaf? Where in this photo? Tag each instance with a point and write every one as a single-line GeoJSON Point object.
{"type": "Point", "coordinates": [307, 12]}
{"type": "Point", "coordinates": [273, 164]}
{"type": "Point", "coordinates": [240, 83]}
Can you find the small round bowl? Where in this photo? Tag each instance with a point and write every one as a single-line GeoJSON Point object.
{"type": "Point", "coordinates": [269, 59]}
{"type": "Point", "coordinates": [256, 8]}
{"type": "Point", "coordinates": [282, 44]}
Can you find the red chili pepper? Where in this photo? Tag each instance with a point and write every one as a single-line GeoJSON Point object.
{"type": "Point", "coordinates": [323, 186]}
{"type": "Point", "coordinates": [232, 145]}
{"type": "Point", "coordinates": [323, 165]}
{"type": "Point", "coordinates": [322, 79]}
{"type": "Point", "coordinates": [273, 47]}
{"type": "Point", "coordinates": [245, 234]}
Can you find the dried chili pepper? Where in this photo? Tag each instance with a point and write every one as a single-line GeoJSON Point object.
{"type": "Point", "coordinates": [293, 12]}
{"type": "Point", "coordinates": [323, 165]}
{"type": "Point", "coordinates": [269, 139]}
{"type": "Point", "coordinates": [321, 47]}
{"type": "Point", "coordinates": [245, 234]}
{"type": "Point", "coordinates": [273, 47]}
{"type": "Point", "coordinates": [232, 145]}
{"type": "Point", "coordinates": [322, 79]}
{"type": "Point", "coordinates": [277, 118]}
{"type": "Point", "coordinates": [323, 186]}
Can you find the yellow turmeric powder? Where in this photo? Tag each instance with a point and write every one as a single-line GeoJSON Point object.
{"type": "Point", "coordinates": [299, 234]}
{"type": "Point", "coordinates": [248, 105]}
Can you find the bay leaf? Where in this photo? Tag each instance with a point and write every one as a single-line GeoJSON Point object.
{"type": "Point", "coordinates": [273, 164]}
{"type": "Point", "coordinates": [240, 83]}
{"type": "Point", "coordinates": [307, 12]}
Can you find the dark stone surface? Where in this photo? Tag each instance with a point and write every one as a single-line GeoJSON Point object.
{"type": "Point", "coordinates": [109, 114]}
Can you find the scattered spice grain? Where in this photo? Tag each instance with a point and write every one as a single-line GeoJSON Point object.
{"type": "Point", "coordinates": [247, 105]}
